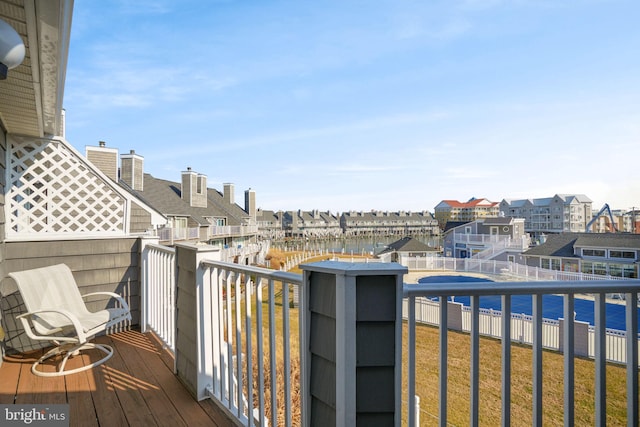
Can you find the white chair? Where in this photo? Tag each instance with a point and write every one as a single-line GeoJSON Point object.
{"type": "Point", "coordinates": [57, 313]}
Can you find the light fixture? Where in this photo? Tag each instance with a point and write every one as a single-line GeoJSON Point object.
{"type": "Point", "coordinates": [11, 49]}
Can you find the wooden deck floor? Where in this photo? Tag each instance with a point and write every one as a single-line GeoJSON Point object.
{"type": "Point", "coordinates": [135, 387]}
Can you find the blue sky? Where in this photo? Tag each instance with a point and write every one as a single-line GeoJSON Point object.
{"type": "Point", "coordinates": [359, 105]}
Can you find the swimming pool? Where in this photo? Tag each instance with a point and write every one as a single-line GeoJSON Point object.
{"type": "Point", "coordinates": [552, 305]}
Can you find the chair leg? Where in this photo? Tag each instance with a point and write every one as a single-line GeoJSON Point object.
{"type": "Point", "coordinates": [70, 350]}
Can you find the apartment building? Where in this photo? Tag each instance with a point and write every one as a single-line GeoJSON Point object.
{"type": "Point", "coordinates": [556, 214]}
{"type": "Point", "coordinates": [453, 210]}
{"type": "Point", "coordinates": [388, 223]}
{"type": "Point", "coordinates": [269, 224]}
{"type": "Point", "coordinates": [313, 223]}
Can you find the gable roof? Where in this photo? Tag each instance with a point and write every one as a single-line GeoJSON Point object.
{"type": "Point", "coordinates": [562, 245]}
{"type": "Point", "coordinates": [557, 245]}
{"type": "Point", "coordinates": [165, 196]}
{"type": "Point", "coordinates": [407, 244]}
{"type": "Point", "coordinates": [496, 220]}
{"type": "Point", "coordinates": [450, 225]}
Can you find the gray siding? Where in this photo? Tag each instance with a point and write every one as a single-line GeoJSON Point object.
{"type": "Point", "coordinates": [375, 350]}
{"type": "Point", "coordinates": [322, 346]}
{"type": "Point", "coordinates": [140, 219]}
{"type": "Point", "coordinates": [97, 265]}
{"type": "Point", "coordinates": [106, 161]}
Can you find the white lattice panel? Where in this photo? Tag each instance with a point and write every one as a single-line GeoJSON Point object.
{"type": "Point", "coordinates": [53, 191]}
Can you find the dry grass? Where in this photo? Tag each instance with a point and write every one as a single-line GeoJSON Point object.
{"type": "Point", "coordinates": [521, 387]}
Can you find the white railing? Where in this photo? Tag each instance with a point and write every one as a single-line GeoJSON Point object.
{"type": "Point", "coordinates": [508, 269]}
{"type": "Point", "coordinates": [158, 293]}
{"type": "Point", "coordinates": [169, 234]}
{"type": "Point", "coordinates": [503, 245]}
{"type": "Point", "coordinates": [506, 290]}
{"type": "Point", "coordinates": [427, 311]}
{"type": "Point", "coordinates": [478, 238]}
{"type": "Point", "coordinates": [257, 251]}
{"type": "Point", "coordinates": [232, 230]}
{"type": "Point", "coordinates": [260, 345]}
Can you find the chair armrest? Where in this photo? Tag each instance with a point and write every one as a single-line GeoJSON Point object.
{"type": "Point", "coordinates": [26, 317]}
{"type": "Point", "coordinates": [119, 298]}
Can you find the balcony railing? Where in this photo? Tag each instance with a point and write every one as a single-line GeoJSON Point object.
{"type": "Point", "coordinates": [239, 342]}
{"type": "Point", "coordinates": [232, 230]}
{"type": "Point", "coordinates": [506, 290]}
{"type": "Point", "coordinates": [158, 293]}
{"type": "Point", "coordinates": [478, 238]}
{"type": "Point", "coordinates": [510, 269]}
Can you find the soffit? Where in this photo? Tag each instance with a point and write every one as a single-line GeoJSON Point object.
{"type": "Point", "coordinates": [31, 96]}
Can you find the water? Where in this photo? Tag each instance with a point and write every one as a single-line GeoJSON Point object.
{"type": "Point", "coordinates": [552, 305]}
{"type": "Point", "coordinates": [355, 245]}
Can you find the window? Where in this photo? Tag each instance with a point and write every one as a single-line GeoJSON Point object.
{"type": "Point", "coordinates": [550, 263]}
{"type": "Point", "coordinates": [622, 254]}
{"type": "Point", "coordinates": [594, 252]}
{"type": "Point", "coordinates": [600, 268]}
{"type": "Point", "coordinates": [587, 267]}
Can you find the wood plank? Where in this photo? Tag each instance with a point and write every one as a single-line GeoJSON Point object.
{"type": "Point", "coordinates": [157, 401]}
{"type": "Point", "coordinates": [11, 368]}
{"type": "Point", "coordinates": [164, 353]}
{"type": "Point", "coordinates": [82, 411]}
{"type": "Point", "coordinates": [218, 415]}
{"type": "Point", "coordinates": [40, 390]}
{"type": "Point", "coordinates": [185, 404]}
{"type": "Point", "coordinates": [116, 403]}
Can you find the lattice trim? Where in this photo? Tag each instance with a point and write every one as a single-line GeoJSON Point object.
{"type": "Point", "coordinates": [53, 191]}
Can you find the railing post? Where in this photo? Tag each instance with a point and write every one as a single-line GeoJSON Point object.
{"type": "Point", "coordinates": [194, 361]}
{"type": "Point", "coordinates": [351, 318]}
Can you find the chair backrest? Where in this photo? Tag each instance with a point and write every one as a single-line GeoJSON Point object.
{"type": "Point", "coordinates": [48, 288]}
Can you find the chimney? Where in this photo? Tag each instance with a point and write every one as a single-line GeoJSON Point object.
{"type": "Point", "coordinates": [194, 188]}
{"type": "Point", "coordinates": [250, 203]}
{"type": "Point", "coordinates": [132, 170]}
{"type": "Point", "coordinates": [228, 195]}
{"type": "Point", "coordinates": [105, 159]}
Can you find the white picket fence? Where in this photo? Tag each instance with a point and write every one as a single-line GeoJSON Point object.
{"type": "Point", "coordinates": [428, 312]}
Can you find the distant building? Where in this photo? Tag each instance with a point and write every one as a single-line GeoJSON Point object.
{"type": "Point", "coordinates": [311, 224]}
{"type": "Point", "coordinates": [270, 224]}
{"type": "Point", "coordinates": [592, 253]}
{"type": "Point", "coordinates": [497, 238]}
{"type": "Point", "coordinates": [376, 223]}
{"type": "Point", "coordinates": [556, 214]}
{"type": "Point", "coordinates": [453, 210]}
{"type": "Point", "coordinates": [631, 221]}
{"type": "Point", "coordinates": [406, 247]}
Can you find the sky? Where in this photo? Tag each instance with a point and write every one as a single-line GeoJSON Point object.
{"type": "Point", "coordinates": [342, 105]}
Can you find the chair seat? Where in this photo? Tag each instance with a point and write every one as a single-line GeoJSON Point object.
{"type": "Point", "coordinates": [107, 317]}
